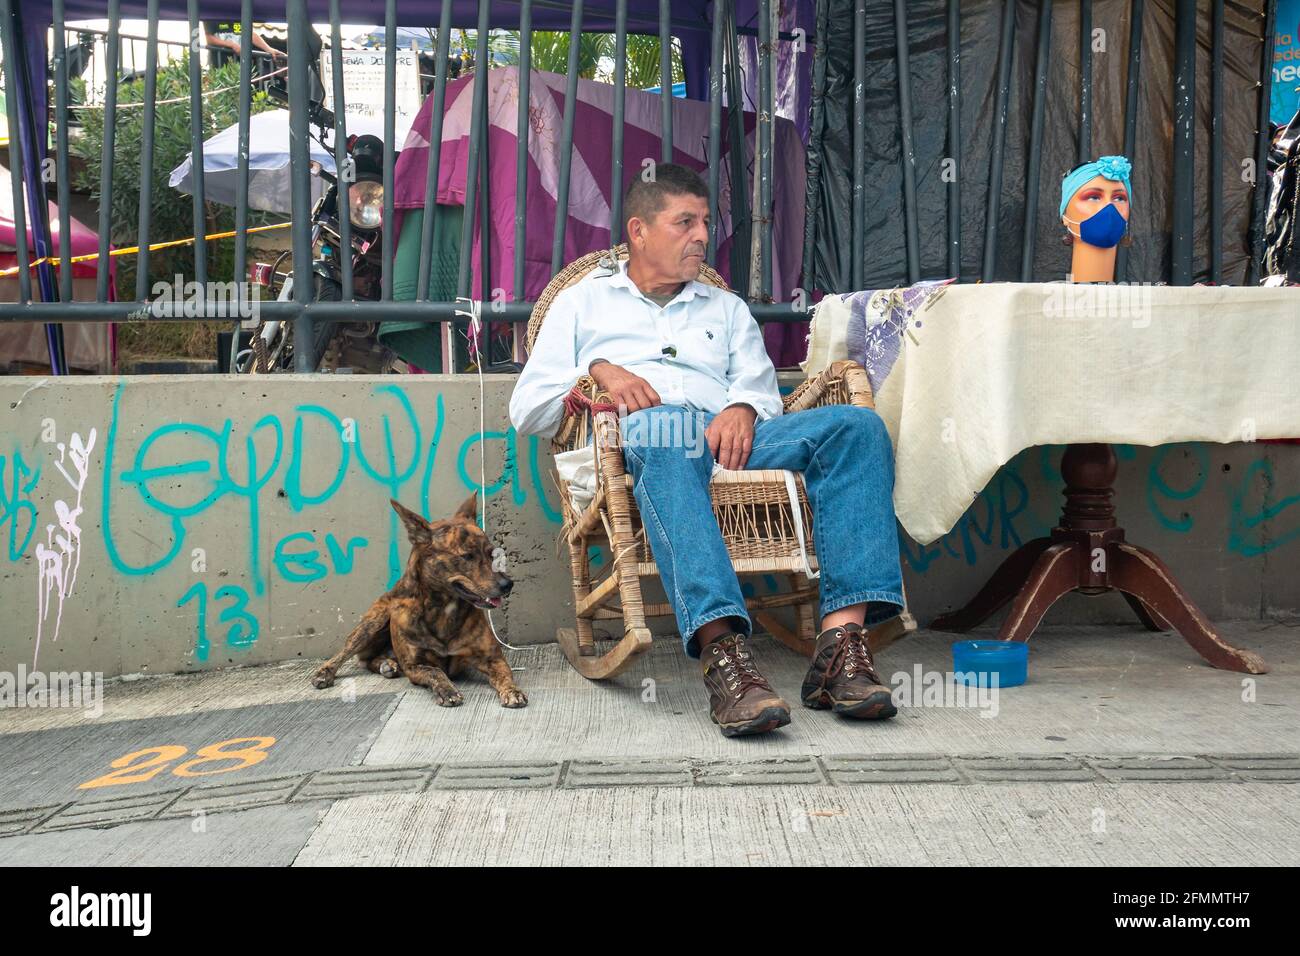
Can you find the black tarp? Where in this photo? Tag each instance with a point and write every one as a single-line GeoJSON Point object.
{"type": "Point", "coordinates": [1149, 256]}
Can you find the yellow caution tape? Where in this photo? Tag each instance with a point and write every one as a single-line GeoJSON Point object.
{"type": "Point", "coordinates": [128, 250]}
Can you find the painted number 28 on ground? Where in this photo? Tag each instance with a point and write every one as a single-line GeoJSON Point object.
{"type": "Point", "coordinates": [143, 765]}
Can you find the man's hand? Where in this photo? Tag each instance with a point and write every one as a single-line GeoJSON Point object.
{"type": "Point", "coordinates": [624, 387]}
{"type": "Point", "coordinates": [731, 435]}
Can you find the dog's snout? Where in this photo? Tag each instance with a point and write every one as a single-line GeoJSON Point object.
{"type": "Point", "coordinates": [504, 584]}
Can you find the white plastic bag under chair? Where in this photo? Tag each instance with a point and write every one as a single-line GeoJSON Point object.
{"type": "Point", "coordinates": [577, 469]}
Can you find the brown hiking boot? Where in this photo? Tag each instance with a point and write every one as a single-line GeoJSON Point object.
{"type": "Point", "coordinates": [741, 701]}
{"type": "Point", "coordinates": [843, 676]}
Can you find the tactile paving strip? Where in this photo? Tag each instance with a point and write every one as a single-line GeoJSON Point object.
{"type": "Point", "coordinates": [359, 781]}
{"type": "Point", "coordinates": [496, 776]}
{"type": "Point", "coordinates": [775, 771]}
{"type": "Point", "coordinates": [832, 770]}
{"type": "Point", "coordinates": [109, 811]}
{"type": "Point", "coordinates": [13, 822]}
{"type": "Point", "coordinates": [891, 768]}
{"type": "Point", "coordinates": [666, 772]}
{"type": "Point", "coordinates": [235, 796]}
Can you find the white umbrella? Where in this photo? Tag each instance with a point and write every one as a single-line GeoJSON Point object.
{"type": "Point", "coordinates": [268, 162]}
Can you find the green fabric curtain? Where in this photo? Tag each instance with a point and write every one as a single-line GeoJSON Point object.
{"type": "Point", "coordinates": [420, 343]}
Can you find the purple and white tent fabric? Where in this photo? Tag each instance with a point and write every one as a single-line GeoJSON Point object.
{"type": "Point", "coordinates": [591, 177]}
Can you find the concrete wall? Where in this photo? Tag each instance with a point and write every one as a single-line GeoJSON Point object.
{"type": "Point", "coordinates": [230, 521]}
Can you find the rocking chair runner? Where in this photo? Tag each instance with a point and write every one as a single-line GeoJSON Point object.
{"type": "Point", "coordinates": [753, 509]}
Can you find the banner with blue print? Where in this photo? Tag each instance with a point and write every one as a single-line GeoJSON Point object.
{"type": "Point", "coordinates": [1286, 62]}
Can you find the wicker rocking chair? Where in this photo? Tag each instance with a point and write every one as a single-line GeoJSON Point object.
{"type": "Point", "coordinates": [753, 510]}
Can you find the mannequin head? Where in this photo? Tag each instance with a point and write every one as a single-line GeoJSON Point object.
{"type": "Point", "coordinates": [1095, 205]}
{"type": "Point", "coordinates": [1090, 199]}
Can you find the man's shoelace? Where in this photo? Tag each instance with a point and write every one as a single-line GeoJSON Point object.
{"type": "Point", "coordinates": [738, 671]}
{"type": "Point", "coordinates": [851, 656]}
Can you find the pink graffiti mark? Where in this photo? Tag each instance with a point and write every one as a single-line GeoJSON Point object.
{"type": "Point", "coordinates": [59, 558]}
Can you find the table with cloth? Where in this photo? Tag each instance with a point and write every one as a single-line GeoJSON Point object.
{"type": "Point", "coordinates": [966, 376]}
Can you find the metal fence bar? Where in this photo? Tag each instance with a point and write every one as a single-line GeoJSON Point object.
{"type": "Point", "coordinates": [106, 155]}
{"type": "Point", "coordinates": [1184, 156]}
{"type": "Point", "coordinates": [32, 139]}
{"type": "Point", "coordinates": [766, 110]}
{"type": "Point", "coordinates": [486, 292]}
{"type": "Point", "coordinates": [566, 140]}
{"type": "Point", "coordinates": [816, 145]}
{"type": "Point", "coordinates": [427, 235]}
{"type": "Point", "coordinates": [522, 132]}
{"type": "Point", "coordinates": [910, 218]}
{"type": "Point", "coordinates": [387, 235]}
{"type": "Point", "coordinates": [327, 311]}
{"type": "Point", "coordinates": [241, 164]}
{"type": "Point", "coordinates": [715, 126]}
{"type": "Point", "coordinates": [144, 221]}
{"type": "Point", "coordinates": [31, 145]}
{"type": "Point", "coordinates": [859, 217]}
{"type": "Point", "coordinates": [741, 224]}
{"type": "Point", "coordinates": [196, 147]}
{"type": "Point", "coordinates": [620, 102]}
{"type": "Point", "coordinates": [1137, 11]}
{"type": "Point", "coordinates": [1085, 80]}
{"type": "Point", "coordinates": [1033, 170]}
{"type": "Point", "coordinates": [1262, 144]}
{"type": "Point", "coordinates": [25, 167]}
{"type": "Point", "coordinates": [1216, 143]}
{"type": "Point", "coordinates": [64, 185]}
{"type": "Point", "coordinates": [304, 282]}
{"type": "Point", "coordinates": [83, 30]}
{"type": "Point", "coordinates": [999, 140]}
{"type": "Point", "coordinates": [341, 158]}
{"type": "Point", "coordinates": [12, 65]}
{"type": "Point", "coordinates": [954, 138]}
{"type": "Point", "coordinates": [477, 134]}
{"type": "Point", "coordinates": [666, 76]}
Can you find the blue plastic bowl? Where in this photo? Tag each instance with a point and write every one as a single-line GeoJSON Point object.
{"type": "Point", "coordinates": [975, 662]}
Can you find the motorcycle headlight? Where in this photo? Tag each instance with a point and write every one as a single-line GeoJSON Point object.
{"type": "Point", "coordinates": [366, 204]}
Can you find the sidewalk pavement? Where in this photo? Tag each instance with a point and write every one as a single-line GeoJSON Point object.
{"type": "Point", "coordinates": [1123, 749]}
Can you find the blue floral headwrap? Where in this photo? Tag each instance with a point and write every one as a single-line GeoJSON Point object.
{"type": "Point", "coordinates": [1112, 167]}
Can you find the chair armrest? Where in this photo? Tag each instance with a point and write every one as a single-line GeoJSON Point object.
{"type": "Point", "coordinates": [844, 382]}
{"type": "Point", "coordinates": [576, 431]}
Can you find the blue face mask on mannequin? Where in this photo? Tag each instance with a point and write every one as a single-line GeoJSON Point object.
{"type": "Point", "coordinates": [1102, 229]}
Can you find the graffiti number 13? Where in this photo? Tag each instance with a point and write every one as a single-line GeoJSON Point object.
{"type": "Point", "coordinates": [243, 626]}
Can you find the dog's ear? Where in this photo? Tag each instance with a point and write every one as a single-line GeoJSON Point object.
{"type": "Point", "coordinates": [468, 509]}
{"type": "Point", "coordinates": [417, 529]}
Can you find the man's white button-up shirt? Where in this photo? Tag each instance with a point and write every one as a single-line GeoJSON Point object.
{"type": "Point", "coordinates": [702, 350]}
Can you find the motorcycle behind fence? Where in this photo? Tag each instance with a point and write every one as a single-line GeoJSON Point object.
{"type": "Point", "coordinates": [337, 346]}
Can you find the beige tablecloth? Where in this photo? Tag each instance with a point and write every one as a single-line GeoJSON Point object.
{"type": "Point", "coordinates": [967, 376]}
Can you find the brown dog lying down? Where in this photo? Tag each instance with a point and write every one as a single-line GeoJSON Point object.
{"type": "Point", "coordinates": [432, 624]}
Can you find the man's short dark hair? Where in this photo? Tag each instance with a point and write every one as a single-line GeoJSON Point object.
{"type": "Point", "coordinates": [645, 200]}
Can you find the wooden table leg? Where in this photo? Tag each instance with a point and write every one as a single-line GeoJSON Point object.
{"type": "Point", "coordinates": [1087, 552]}
{"type": "Point", "coordinates": [1138, 572]}
{"type": "Point", "coordinates": [1001, 588]}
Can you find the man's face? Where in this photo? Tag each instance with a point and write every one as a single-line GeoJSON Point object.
{"type": "Point", "coordinates": [672, 245]}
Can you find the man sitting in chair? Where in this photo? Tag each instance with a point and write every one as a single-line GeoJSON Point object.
{"type": "Point", "coordinates": [687, 359]}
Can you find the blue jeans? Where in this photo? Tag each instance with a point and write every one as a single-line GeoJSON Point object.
{"type": "Point", "coordinates": [847, 463]}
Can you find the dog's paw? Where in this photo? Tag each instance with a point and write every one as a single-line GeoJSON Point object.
{"type": "Point", "coordinates": [514, 698]}
{"type": "Point", "coordinates": [323, 679]}
{"type": "Point", "coordinates": [389, 668]}
{"type": "Point", "coordinates": [452, 699]}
